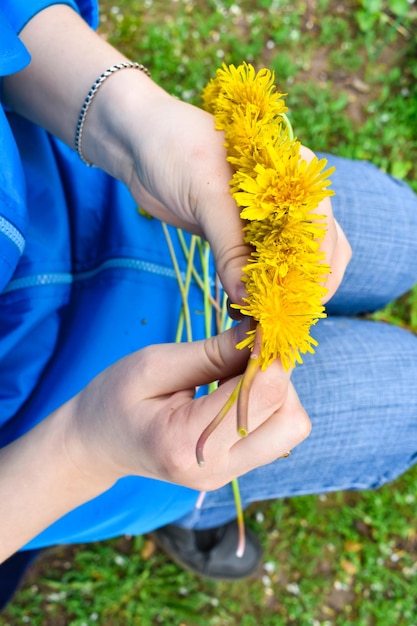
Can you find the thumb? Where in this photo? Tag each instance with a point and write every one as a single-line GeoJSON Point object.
{"type": "Point", "coordinates": [229, 250]}
{"type": "Point", "coordinates": [188, 365]}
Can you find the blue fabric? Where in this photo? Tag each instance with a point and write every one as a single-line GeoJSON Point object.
{"type": "Point", "coordinates": [80, 299]}
{"type": "Point", "coordinates": [86, 280]}
{"type": "Point", "coordinates": [20, 12]}
{"type": "Point", "coordinates": [13, 214]}
{"type": "Point", "coordinates": [81, 276]}
{"type": "Point", "coordinates": [11, 573]}
{"type": "Point", "coordinates": [13, 54]}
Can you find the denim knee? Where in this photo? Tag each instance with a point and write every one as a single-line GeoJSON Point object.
{"type": "Point", "coordinates": [379, 216]}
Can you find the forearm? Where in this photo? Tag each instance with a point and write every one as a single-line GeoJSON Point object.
{"type": "Point", "coordinates": [67, 58]}
{"type": "Point", "coordinates": [39, 482]}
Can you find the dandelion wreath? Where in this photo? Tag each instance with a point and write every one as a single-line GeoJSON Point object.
{"type": "Point", "coordinates": [278, 192]}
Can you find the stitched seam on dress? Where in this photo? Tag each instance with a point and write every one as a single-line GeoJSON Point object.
{"type": "Point", "coordinates": [66, 278]}
{"type": "Point", "coordinates": [11, 232]}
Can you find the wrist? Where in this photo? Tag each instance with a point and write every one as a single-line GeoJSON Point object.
{"type": "Point", "coordinates": [40, 482]}
{"type": "Point", "coordinates": [84, 447]}
{"type": "Point", "coordinates": [125, 102]}
{"type": "Point", "coordinates": [88, 101]}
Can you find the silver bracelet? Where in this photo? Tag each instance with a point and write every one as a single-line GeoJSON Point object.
{"type": "Point", "coordinates": [90, 96]}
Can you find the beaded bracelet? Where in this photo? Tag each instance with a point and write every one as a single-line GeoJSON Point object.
{"type": "Point", "coordinates": [90, 96]}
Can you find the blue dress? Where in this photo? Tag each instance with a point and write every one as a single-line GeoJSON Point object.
{"type": "Point", "coordinates": [84, 280]}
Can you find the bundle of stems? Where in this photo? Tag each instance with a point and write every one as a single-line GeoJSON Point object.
{"type": "Point", "coordinates": [215, 304]}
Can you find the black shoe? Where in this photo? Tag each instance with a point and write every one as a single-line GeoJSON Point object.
{"type": "Point", "coordinates": [210, 553]}
{"type": "Point", "coordinates": [12, 572]}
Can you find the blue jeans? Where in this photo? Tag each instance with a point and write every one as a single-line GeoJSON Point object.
{"type": "Point", "coordinates": [359, 389]}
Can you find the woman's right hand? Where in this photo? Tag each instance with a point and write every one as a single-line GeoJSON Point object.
{"type": "Point", "coordinates": [140, 417]}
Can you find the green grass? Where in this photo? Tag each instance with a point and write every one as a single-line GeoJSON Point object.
{"type": "Point", "coordinates": [337, 559]}
{"type": "Point", "coordinates": [349, 68]}
{"type": "Point", "coordinates": [350, 72]}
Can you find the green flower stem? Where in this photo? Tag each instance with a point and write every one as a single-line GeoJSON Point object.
{"type": "Point", "coordinates": [182, 287]}
{"type": "Point", "coordinates": [252, 367]}
{"type": "Point", "coordinates": [195, 274]}
{"type": "Point", "coordinates": [225, 319]}
{"type": "Point", "coordinates": [289, 126]}
{"type": "Point", "coordinates": [187, 283]}
{"type": "Point", "coordinates": [214, 423]}
{"type": "Point", "coordinates": [240, 550]}
{"type": "Point", "coordinates": [206, 273]}
{"type": "Point", "coordinates": [223, 322]}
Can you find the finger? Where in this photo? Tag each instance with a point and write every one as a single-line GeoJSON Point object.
{"type": "Point", "coordinates": [230, 252]}
{"type": "Point", "coordinates": [335, 245]}
{"type": "Point", "coordinates": [324, 208]}
{"type": "Point", "coordinates": [282, 431]}
{"type": "Point", "coordinates": [218, 214]}
{"type": "Point", "coordinates": [268, 392]}
{"type": "Point", "coordinates": [340, 259]}
{"type": "Point", "coordinates": [188, 365]}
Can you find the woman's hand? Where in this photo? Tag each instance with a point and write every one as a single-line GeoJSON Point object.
{"type": "Point", "coordinates": [140, 416]}
{"type": "Point", "coordinates": [180, 175]}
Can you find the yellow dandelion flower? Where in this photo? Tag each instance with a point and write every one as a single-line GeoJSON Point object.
{"type": "Point", "coordinates": [246, 133]}
{"type": "Point", "coordinates": [210, 94]}
{"type": "Point", "coordinates": [270, 238]}
{"type": "Point", "coordinates": [242, 88]}
{"type": "Point", "coordinates": [270, 193]}
{"type": "Point", "coordinates": [285, 311]}
{"type": "Point", "coordinates": [247, 141]}
{"type": "Point", "coordinates": [292, 187]}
